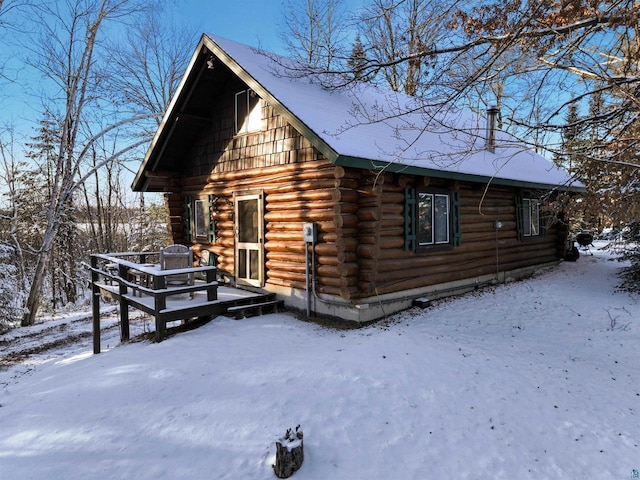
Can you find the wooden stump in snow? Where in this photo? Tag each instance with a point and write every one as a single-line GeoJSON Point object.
{"type": "Point", "coordinates": [289, 453]}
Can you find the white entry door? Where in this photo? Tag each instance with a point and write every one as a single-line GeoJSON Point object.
{"type": "Point", "coordinates": [249, 259]}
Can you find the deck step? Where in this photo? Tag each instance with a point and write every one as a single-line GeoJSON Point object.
{"type": "Point", "coordinates": [255, 308]}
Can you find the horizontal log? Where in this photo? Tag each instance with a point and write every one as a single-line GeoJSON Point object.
{"type": "Point", "coordinates": [340, 282]}
{"type": "Point", "coordinates": [383, 242]}
{"type": "Point", "coordinates": [337, 271]}
{"type": "Point", "coordinates": [300, 278]}
{"type": "Point", "coordinates": [285, 266]}
{"type": "Point", "coordinates": [483, 236]}
{"type": "Point", "coordinates": [344, 292]}
{"type": "Point", "coordinates": [333, 194]}
{"type": "Point", "coordinates": [222, 216]}
{"type": "Point", "coordinates": [225, 225]}
{"type": "Point", "coordinates": [309, 185]}
{"type": "Point", "coordinates": [370, 214]}
{"type": "Point", "coordinates": [342, 172]}
{"type": "Point", "coordinates": [285, 283]}
{"type": "Point", "coordinates": [286, 257]}
{"type": "Point", "coordinates": [288, 247]}
{"type": "Point", "coordinates": [285, 235]}
{"type": "Point", "coordinates": [368, 251]}
{"type": "Point", "coordinates": [347, 244]}
{"type": "Point", "coordinates": [391, 209]}
{"type": "Point", "coordinates": [341, 257]}
{"type": "Point", "coordinates": [385, 222]}
{"type": "Point", "coordinates": [337, 207]}
{"type": "Point", "coordinates": [346, 220]}
{"type": "Point", "coordinates": [335, 259]}
{"type": "Point", "coordinates": [301, 216]}
{"type": "Point", "coordinates": [486, 226]}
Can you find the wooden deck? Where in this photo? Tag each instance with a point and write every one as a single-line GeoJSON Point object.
{"type": "Point", "coordinates": [141, 285]}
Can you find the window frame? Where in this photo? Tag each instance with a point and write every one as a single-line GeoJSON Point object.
{"type": "Point", "coordinates": [247, 119]}
{"type": "Point", "coordinates": [200, 226]}
{"type": "Point", "coordinates": [531, 217]}
{"type": "Point", "coordinates": [451, 224]}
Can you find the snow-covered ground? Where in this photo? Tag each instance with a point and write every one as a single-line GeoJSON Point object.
{"type": "Point", "coordinates": [537, 379]}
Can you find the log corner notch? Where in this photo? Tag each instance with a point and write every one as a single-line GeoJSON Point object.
{"type": "Point", "coordinates": [289, 453]}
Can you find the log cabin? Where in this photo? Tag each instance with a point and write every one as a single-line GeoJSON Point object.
{"type": "Point", "coordinates": [351, 203]}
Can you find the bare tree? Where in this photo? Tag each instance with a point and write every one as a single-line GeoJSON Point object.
{"type": "Point", "coordinates": [394, 29]}
{"type": "Point", "coordinates": [315, 31]}
{"type": "Point", "coordinates": [145, 70]}
{"type": "Point", "coordinates": [67, 56]}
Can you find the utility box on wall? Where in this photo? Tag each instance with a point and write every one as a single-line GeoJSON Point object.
{"type": "Point", "coordinates": [309, 232]}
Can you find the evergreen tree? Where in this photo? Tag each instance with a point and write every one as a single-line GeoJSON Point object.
{"type": "Point", "coordinates": [358, 61]}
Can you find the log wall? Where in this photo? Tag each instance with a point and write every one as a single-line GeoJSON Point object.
{"type": "Point", "coordinates": [385, 267]}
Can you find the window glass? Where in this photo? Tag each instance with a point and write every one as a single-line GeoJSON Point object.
{"type": "Point", "coordinates": [199, 218]}
{"type": "Point", "coordinates": [530, 217]}
{"type": "Point", "coordinates": [425, 218]}
{"type": "Point", "coordinates": [248, 112]}
{"type": "Point", "coordinates": [433, 219]}
{"type": "Point", "coordinates": [535, 217]}
{"type": "Point", "coordinates": [526, 216]}
{"type": "Point", "coordinates": [441, 218]}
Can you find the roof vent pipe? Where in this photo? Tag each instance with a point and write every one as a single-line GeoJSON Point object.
{"type": "Point", "coordinates": [492, 118]}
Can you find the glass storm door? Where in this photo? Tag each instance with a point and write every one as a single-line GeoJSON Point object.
{"type": "Point", "coordinates": [249, 239]}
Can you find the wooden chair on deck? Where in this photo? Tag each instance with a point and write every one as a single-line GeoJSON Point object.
{"type": "Point", "coordinates": [174, 257]}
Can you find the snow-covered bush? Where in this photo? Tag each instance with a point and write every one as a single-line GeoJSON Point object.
{"type": "Point", "coordinates": [631, 275]}
{"type": "Point", "coordinates": [11, 291]}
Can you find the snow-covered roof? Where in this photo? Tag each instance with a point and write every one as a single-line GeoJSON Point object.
{"type": "Point", "coordinates": [360, 126]}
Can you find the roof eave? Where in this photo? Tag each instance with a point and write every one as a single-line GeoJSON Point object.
{"type": "Point", "coordinates": [363, 163]}
{"type": "Point", "coordinates": [140, 182]}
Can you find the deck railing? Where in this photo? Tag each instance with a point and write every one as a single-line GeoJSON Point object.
{"type": "Point", "coordinates": [116, 274]}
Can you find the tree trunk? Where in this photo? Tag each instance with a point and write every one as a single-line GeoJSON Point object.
{"type": "Point", "coordinates": [35, 290]}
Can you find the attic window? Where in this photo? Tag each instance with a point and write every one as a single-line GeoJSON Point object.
{"type": "Point", "coordinates": [248, 116]}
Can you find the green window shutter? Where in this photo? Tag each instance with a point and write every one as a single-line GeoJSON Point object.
{"type": "Point", "coordinates": [187, 218]}
{"type": "Point", "coordinates": [212, 223]}
{"type": "Point", "coordinates": [409, 219]}
{"type": "Point", "coordinates": [519, 218]}
{"type": "Point", "coordinates": [456, 221]}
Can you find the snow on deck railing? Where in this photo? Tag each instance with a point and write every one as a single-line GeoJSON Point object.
{"type": "Point", "coordinates": [152, 281]}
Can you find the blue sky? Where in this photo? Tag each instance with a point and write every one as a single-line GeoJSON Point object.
{"type": "Point", "coordinates": [253, 22]}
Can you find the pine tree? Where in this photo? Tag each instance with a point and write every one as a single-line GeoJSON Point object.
{"type": "Point", "coordinates": [358, 61]}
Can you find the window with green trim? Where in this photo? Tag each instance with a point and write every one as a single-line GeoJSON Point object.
{"type": "Point", "coordinates": [432, 219]}
{"type": "Point", "coordinates": [530, 217]}
{"type": "Point", "coordinates": [199, 220]}
{"type": "Point", "coordinates": [434, 223]}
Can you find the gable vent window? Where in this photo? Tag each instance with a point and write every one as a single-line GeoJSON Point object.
{"type": "Point", "coordinates": [248, 114]}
